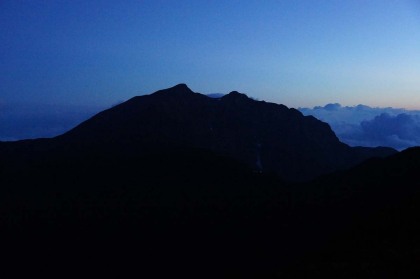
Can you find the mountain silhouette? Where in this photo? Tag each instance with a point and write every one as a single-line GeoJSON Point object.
{"type": "Point", "coordinates": [266, 136]}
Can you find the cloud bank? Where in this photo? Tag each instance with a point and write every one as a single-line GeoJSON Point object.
{"type": "Point", "coordinates": [366, 126]}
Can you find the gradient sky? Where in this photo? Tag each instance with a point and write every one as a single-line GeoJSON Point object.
{"type": "Point", "coordinates": [298, 53]}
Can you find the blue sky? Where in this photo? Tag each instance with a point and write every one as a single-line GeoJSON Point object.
{"type": "Point", "coordinates": [62, 55]}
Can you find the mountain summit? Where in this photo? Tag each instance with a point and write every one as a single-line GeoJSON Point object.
{"type": "Point", "coordinates": [266, 136]}
{"type": "Point", "coordinates": [178, 89]}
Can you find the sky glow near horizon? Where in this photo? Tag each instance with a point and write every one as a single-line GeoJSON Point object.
{"type": "Point", "coordinates": [298, 53]}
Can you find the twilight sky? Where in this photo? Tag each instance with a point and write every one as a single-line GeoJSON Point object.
{"type": "Point", "coordinates": [64, 55]}
{"type": "Point", "coordinates": [299, 53]}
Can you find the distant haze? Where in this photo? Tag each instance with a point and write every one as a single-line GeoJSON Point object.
{"type": "Point", "coordinates": [28, 121]}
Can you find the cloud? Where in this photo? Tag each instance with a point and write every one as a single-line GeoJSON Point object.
{"type": "Point", "coordinates": [400, 131]}
{"type": "Point", "coordinates": [332, 107]}
{"type": "Point", "coordinates": [362, 125]}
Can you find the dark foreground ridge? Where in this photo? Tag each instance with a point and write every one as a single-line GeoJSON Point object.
{"type": "Point", "coordinates": [165, 185]}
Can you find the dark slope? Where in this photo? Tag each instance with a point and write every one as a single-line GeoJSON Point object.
{"type": "Point", "coordinates": [373, 211]}
{"type": "Point", "coordinates": [266, 136]}
{"type": "Point", "coordinates": [207, 216]}
{"type": "Point", "coordinates": [191, 212]}
{"type": "Point", "coordinates": [181, 211]}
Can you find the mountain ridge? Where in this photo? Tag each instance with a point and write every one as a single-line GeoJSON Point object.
{"type": "Point", "coordinates": [267, 136]}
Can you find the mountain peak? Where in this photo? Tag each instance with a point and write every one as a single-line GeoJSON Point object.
{"type": "Point", "coordinates": [235, 95]}
{"type": "Point", "coordinates": [181, 86]}
{"type": "Point", "coordinates": [177, 90]}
